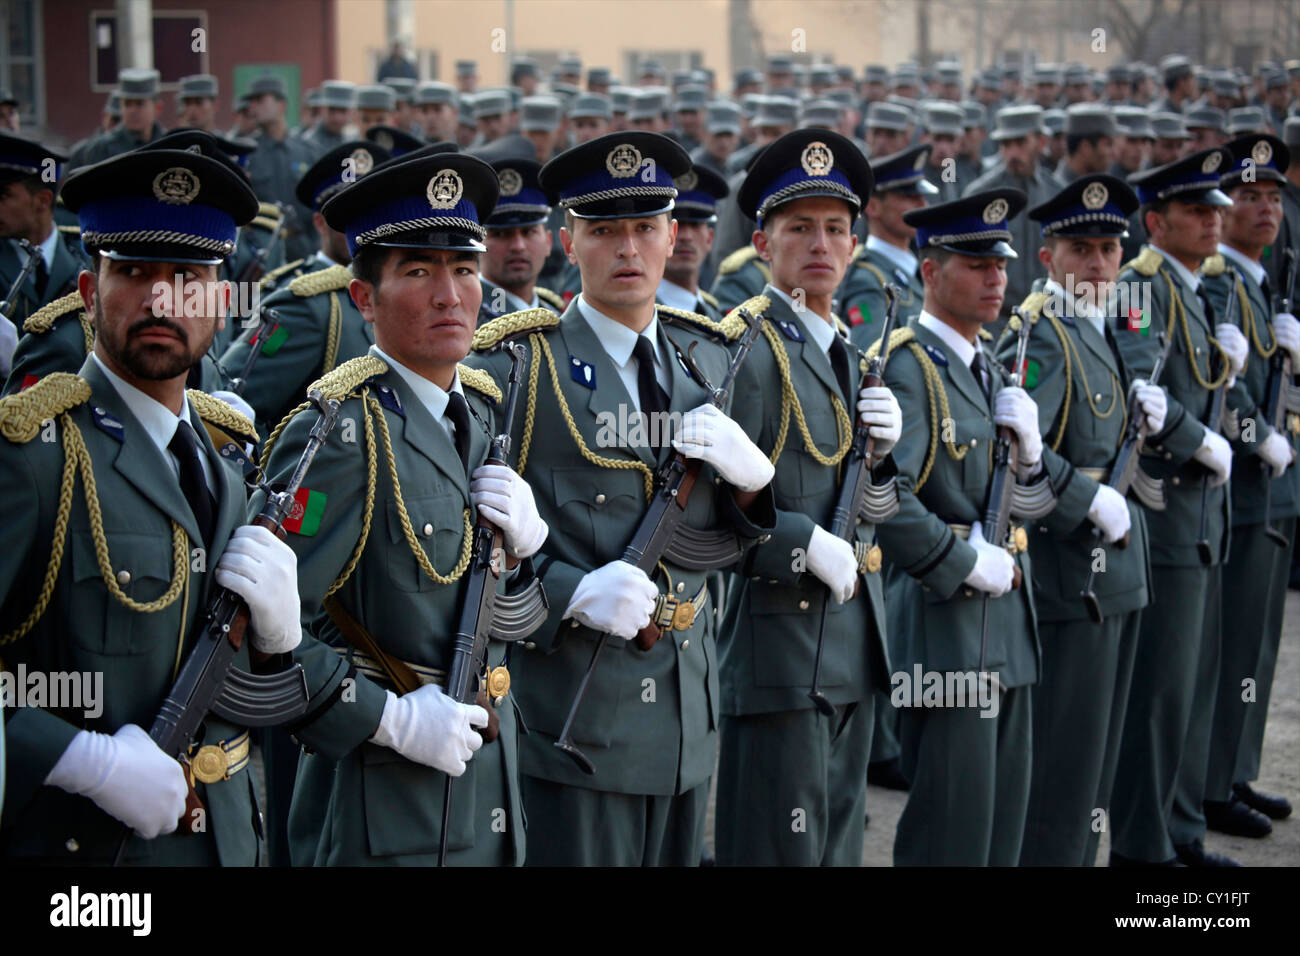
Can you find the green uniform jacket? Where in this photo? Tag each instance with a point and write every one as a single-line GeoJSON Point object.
{"type": "Point", "coordinates": [934, 619]}
{"type": "Point", "coordinates": [85, 629]}
{"type": "Point", "coordinates": [861, 296]}
{"type": "Point", "coordinates": [706, 304]}
{"type": "Point", "coordinates": [1174, 531]}
{"type": "Point", "coordinates": [384, 808]}
{"type": "Point", "coordinates": [319, 329]}
{"type": "Point", "coordinates": [62, 280]}
{"type": "Point", "coordinates": [769, 634]}
{"type": "Point", "coordinates": [741, 276]}
{"type": "Point", "coordinates": [486, 313]}
{"type": "Point", "coordinates": [649, 721]}
{"type": "Point", "coordinates": [1063, 540]}
{"type": "Point", "coordinates": [120, 140]}
{"type": "Point", "coordinates": [1249, 395]}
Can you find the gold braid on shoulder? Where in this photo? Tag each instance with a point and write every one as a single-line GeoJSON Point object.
{"type": "Point", "coordinates": [1250, 323]}
{"type": "Point", "coordinates": [791, 406]}
{"type": "Point", "coordinates": [1179, 317]}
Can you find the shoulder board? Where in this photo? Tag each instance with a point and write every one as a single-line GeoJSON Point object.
{"type": "Point", "coordinates": [710, 298]}
{"type": "Point", "coordinates": [348, 377]}
{"type": "Point", "coordinates": [22, 415]}
{"type": "Point", "coordinates": [480, 381]}
{"type": "Point", "coordinates": [987, 336]}
{"type": "Point", "coordinates": [503, 327]}
{"type": "Point", "coordinates": [701, 323]}
{"type": "Point", "coordinates": [70, 230]}
{"type": "Point", "coordinates": [840, 326]}
{"type": "Point", "coordinates": [216, 412]}
{"type": "Point", "coordinates": [858, 252]}
{"type": "Point", "coordinates": [733, 262]}
{"type": "Point", "coordinates": [1147, 262]}
{"type": "Point", "coordinates": [278, 271]}
{"type": "Point", "coordinates": [1214, 266]}
{"type": "Point", "coordinates": [326, 280]}
{"type": "Point", "coordinates": [270, 210]}
{"type": "Point", "coordinates": [547, 297]}
{"type": "Point", "coordinates": [896, 338]}
{"type": "Point", "coordinates": [43, 319]}
{"type": "Point", "coordinates": [1033, 305]}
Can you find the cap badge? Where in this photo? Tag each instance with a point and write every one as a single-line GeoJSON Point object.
{"type": "Point", "coordinates": [510, 181]}
{"type": "Point", "coordinates": [384, 139]}
{"type": "Point", "coordinates": [920, 161]}
{"type": "Point", "coordinates": [1211, 162]}
{"type": "Point", "coordinates": [687, 180]}
{"type": "Point", "coordinates": [817, 159]}
{"type": "Point", "coordinates": [361, 161]}
{"type": "Point", "coordinates": [1262, 153]}
{"type": "Point", "coordinates": [996, 211]}
{"type": "Point", "coordinates": [623, 161]}
{"type": "Point", "coordinates": [1095, 196]}
{"type": "Point", "coordinates": [445, 189]}
{"type": "Point", "coordinates": [176, 185]}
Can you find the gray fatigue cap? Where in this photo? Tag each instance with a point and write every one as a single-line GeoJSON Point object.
{"type": "Point", "coordinates": [882, 115]}
{"type": "Point", "coordinates": [598, 76]}
{"type": "Point", "coordinates": [748, 78]}
{"type": "Point", "coordinates": [467, 68]}
{"type": "Point", "coordinates": [1053, 122]}
{"type": "Point", "coordinates": [591, 104]}
{"type": "Point", "coordinates": [376, 97]}
{"type": "Point", "coordinates": [1089, 119]}
{"type": "Point", "coordinates": [492, 103]}
{"type": "Point", "coordinates": [975, 114]}
{"type": "Point", "coordinates": [723, 117]}
{"type": "Point", "coordinates": [433, 92]}
{"type": "Point", "coordinates": [338, 94]}
{"type": "Point", "coordinates": [565, 92]}
{"type": "Point", "coordinates": [113, 105]}
{"type": "Point", "coordinates": [648, 104]}
{"type": "Point", "coordinates": [1291, 132]}
{"type": "Point", "coordinates": [621, 97]}
{"type": "Point", "coordinates": [682, 78]}
{"type": "Point", "coordinates": [845, 97]}
{"type": "Point", "coordinates": [1174, 66]}
{"type": "Point", "coordinates": [948, 72]}
{"type": "Point", "coordinates": [822, 75]}
{"type": "Point", "coordinates": [539, 113]}
{"type": "Point", "coordinates": [1048, 73]}
{"type": "Point", "coordinates": [1170, 126]}
{"type": "Point", "coordinates": [942, 119]}
{"type": "Point", "coordinates": [1077, 73]}
{"type": "Point", "coordinates": [780, 65]}
{"type": "Point", "coordinates": [313, 99]}
{"type": "Point", "coordinates": [1118, 73]}
{"type": "Point", "coordinates": [1248, 119]}
{"type": "Point", "coordinates": [197, 86]}
{"type": "Point", "coordinates": [874, 73]}
{"type": "Point", "coordinates": [136, 84]}
{"type": "Point", "coordinates": [571, 66]}
{"type": "Point", "coordinates": [776, 111]}
{"type": "Point", "coordinates": [263, 85]}
{"type": "Point", "coordinates": [1134, 122]}
{"type": "Point", "coordinates": [1013, 122]}
{"type": "Point", "coordinates": [403, 88]}
{"type": "Point", "coordinates": [1207, 117]}
{"type": "Point", "coordinates": [821, 112]}
{"type": "Point", "coordinates": [690, 97]}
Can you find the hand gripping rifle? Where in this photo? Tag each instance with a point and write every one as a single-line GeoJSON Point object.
{"type": "Point", "coordinates": [28, 268]}
{"type": "Point", "coordinates": [1276, 404]}
{"type": "Point", "coordinates": [1126, 473]}
{"type": "Point", "coordinates": [1006, 466]}
{"type": "Point", "coordinates": [653, 536]}
{"type": "Point", "coordinates": [1214, 422]}
{"type": "Point", "coordinates": [853, 490]}
{"type": "Point", "coordinates": [468, 679]}
{"type": "Point", "coordinates": [209, 681]}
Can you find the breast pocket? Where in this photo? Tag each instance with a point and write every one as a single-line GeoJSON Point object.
{"type": "Point", "coordinates": [141, 564]}
{"type": "Point", "coordinates": [594, 502]}
{"type": "Point", "coordinates": [977, 465]}
{"type": "Point", "coordinates": [438, 523]}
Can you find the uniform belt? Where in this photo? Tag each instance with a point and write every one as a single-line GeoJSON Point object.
{"type": "Point", "coordinates": [1019, 537]}
{"type": "Point", "coordinates": [220, 761]}
{"type": "Point", "coordinates": [367, 666]}
{"type": "Point", "coordinates": [679, 614]}
{"type": "Point", "coordinates": [869, 556]}
{"type": "Point", "coordinates": [1096, 474]}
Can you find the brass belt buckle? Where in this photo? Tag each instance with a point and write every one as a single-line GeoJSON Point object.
{"type": "Point", "coordinates": [210, 764]}
{"type": "Point", "coordinates": [870, 557]}
{"type": "Point", "coordinates": [498, 684]}
{"type": "Point", "coordinates": [1017, 540]}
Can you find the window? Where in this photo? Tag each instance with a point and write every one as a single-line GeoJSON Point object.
{"type": "Point", "coordinates": [20, 39]}
{"type": "Point", "coordinates": [174, 55]}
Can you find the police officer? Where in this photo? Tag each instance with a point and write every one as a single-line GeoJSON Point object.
{"type": "Point", "coordinates": [1078, 381]}
{"type": "Point", "coordinates": [518, 242]}
{"type": "Point", "coordinates": [609, 375]}
{"type": "Point", "coordinates": [792, 779]}
{"type": "Point", "coordinates": [155, 505]}
{"type": "Point", "coordinates": [695, 211]}
{"type": "Point", "coordinates": [1156, 814]}
{"type": "Point", "coordinates": [279, 162]}
{"type": "Point", "coordinates": [138, 92]}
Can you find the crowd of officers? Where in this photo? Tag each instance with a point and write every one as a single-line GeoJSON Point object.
{"type": "Point", "coordinates": [411, 242]}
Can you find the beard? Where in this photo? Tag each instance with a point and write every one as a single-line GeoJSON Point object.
{"type": "Point", "coordinates": [150, 362]}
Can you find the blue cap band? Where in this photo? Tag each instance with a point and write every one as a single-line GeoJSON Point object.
{"type": "Point", "coordinates": [602, 185]}
{"type": "Point", "coordinates": [1195, 180]}
{"type": "Point", "coordinates": [408, 214]}
{"type": "Point", "coordinates": [138, 219]}
{"type": "Point", "coordinates": [964, 229]}
{"type": "Point", "coordinates": [1078, 214]}
{"type": "Point", "coordinates": [794, 183]}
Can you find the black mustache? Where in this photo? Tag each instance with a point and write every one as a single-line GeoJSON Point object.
{"type": "Point", "coordinates": [160, 322]}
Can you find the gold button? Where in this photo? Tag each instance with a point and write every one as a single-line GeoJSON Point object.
{"type": "Point", "coordinates": [681, 586]}
{"type": "Point", "coordinates": [428, 529]}
{"type": "Point", "coordinates": [124, 577]}
{"type": "Point", "coordinates": [530, 645]}
{"type": "Point", "coordinates": [803, 605]}
{"type": "Point", "coordinates": [969, 592]}
{"type": "Point", "coordinates": [72, 845]}
{"type": "Point", "coordinates": [573, 622]}
{"type": "Point", "coordinates": [685, 644]}
{"type": "Point", "coordinates": [1097, 397]}
{"type": "Point", "coordinates": [600, 499]}
{"type": "Point", "coordinates": [1177, 480]}
{"type": "Point", "coordinates": [974, 442]}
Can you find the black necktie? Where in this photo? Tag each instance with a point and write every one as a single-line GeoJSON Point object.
{"type": "Point", "coordinates": [1265, 289]}
{"type": "Point", "coordinates": [653, 397]}
{"type": "Point", "coordinates": [41, 275]}
{"type": "Point", "coordinates": [1205, 304]}
{"type": "Point", "coordinates": [839, 354]}
{"type": "Point", "coordinates": [977, 369]}
{"type": "Point", "coordinates": [185, 446]}
{"type": "Point", "coordinates": [458, 412]}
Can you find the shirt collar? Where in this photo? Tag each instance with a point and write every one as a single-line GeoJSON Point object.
{"type": "Point", "coordinates": [616, 338]}
{"type": "Point", "coordinates": [948, 335]}
{"type": "Point", "coordinates": [675, 297]}
{"type": "Point", "coordinates": [326, 260]}
{"type": "Point", "coordinates": [426, 393]}
{"type": "Point", "coordinates": [515, 303]}
{"type": "Point", "coordinates": [899, 257]}
{"type": "Point", "coordinates": [1251, 267]}
{"type": "Point", "coordinates": [1190, 279]}
{"type": "Point", "coordinates": [46, 246]}
{"type": "Point", "coordinates": [156, 418]}
{"type": "Point", "coordinates": [822, 331]}
{"type": "Point", "coordinates": [1094, 316]}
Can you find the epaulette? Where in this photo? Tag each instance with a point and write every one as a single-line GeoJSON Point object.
{"type": "Point", "coordinates": [269, 217]}
{"type": "Point", "coordinates": [43, 319]}
{"type": "Point", "coordinates": [858, 251]}
{"type": "Point", "coordinates": [22, 415]}
{"type": "Point", "coordinates": [710, 299]}
{"type": "Point", "coordinates": [756, 306]}
{"type": "Point", "coordinates": [840, 325]}
{"type": "Point", "coordinates": [553, 299]}
{"type": "Point", "coordinates": [702, 323]}
{"type": "Point", "coordinates": [278, 271]}
{"type": "Point", "coordinates": [733, 262]}
{"type": "Point", "coordinates": [214, 411]}
{"type": "Point", "coordinates": [480, 381]}
{"type": "Point", "coordinates": [987, 336]}
{"type": "Point", "coordinates": [1147, 262]}
{"type": "Point", "coordinates": [896, 338]}
{"type": "Point", "coordinates": [1214, 266]}
{"type": "Point", "coordinates": [1033, 305]}
{"type": "Point", "coordinates": [348, 377]}
{"type": "Point", "coordinates": [326, 280]}
{"type": "Point", "coordinates": [514, 323]}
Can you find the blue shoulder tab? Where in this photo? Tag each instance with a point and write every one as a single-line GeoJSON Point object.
{"type": "Point", "coordinates": [107, 424]}
{"type": "Point", "coordinates": [388, 398]}
{"type": "Point", "coordinates": [583, 373]}
{"type": "Point", "coordinates": [936, 354]}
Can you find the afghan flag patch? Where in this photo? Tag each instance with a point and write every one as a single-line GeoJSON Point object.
{"type": "Point", "coordinates": [305, 514]}
{"type": "Point", "coordinates": [1139, 321]}
{"type": "Point", "coordinates": [275, 337]}
{"type": "Point", "coordinates": [1031, 373]}
{"type": "Point", "coordinates": [860, 313]}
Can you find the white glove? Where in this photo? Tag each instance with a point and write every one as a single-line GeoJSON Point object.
{"type": "Point", "coordinates": [879, 408]}
{"type": "Point", "coordinates": [127, 777]}
{"type": "Point", "coordinates": [428, 727]}
{"type": "Point", "coordinates": [1109, 512]}
{"type": "Point", "coordinates": [994, 570]}
{"type": "Point", "coordinates": [1014, 408]}
{"type": "Point", "coordinates": [263, 570]}
{"type": "Point", "coordinates": [833, 561]}
{"type": "Point", "coordinates": [709, 435]}
{"type": "Point", "coordinates": [1234, 343]}
{"type": "Point", "coordinates": [506, 500]}
{"type": "Point", "coordinates": [616, 598]}
{"type": "Point", "coordinates": [1287, 332]}
{"type": "Point", "coordinates": [1276, 451]}
{"type": "Point", "coordinates": [1154, 404]}
{"type": "Point", "coordinates": [1215, 454]}
{"type": "Point", "coordinates": [8, 342]}
{"type": "Point", "coordinates": [237, 403]}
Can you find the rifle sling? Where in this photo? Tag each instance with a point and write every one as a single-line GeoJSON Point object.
{"type": "Point", "coordinates": [398, 673]}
